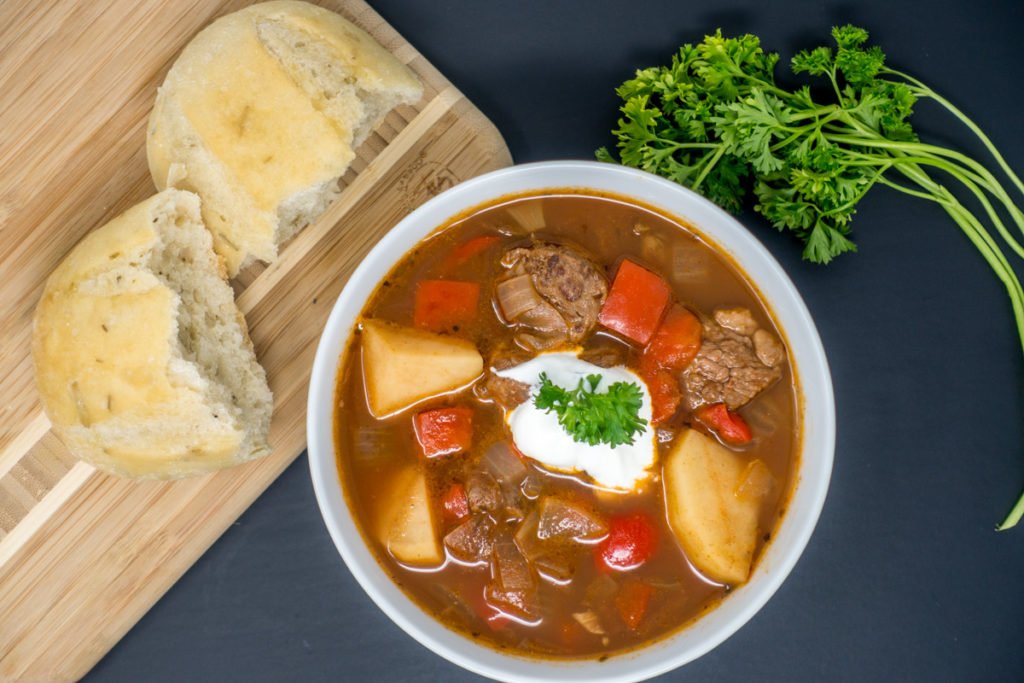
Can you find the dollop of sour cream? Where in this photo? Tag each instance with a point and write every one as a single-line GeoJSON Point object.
{"type": "Point", "coordinates": [538, 435]}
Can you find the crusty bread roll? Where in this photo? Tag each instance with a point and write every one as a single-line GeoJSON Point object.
{"type": "Point", "coordinates": [143, 362]}
{"type": "Point", "coordinates": [260, 115]}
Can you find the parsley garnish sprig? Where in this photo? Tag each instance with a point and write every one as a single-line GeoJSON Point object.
{"type": "Point", "coordinates": [716, 121]}
{"type": "Point", "coordinates": [612, 417]}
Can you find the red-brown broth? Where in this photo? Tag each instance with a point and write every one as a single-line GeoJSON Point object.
{"type": "Point", "coordinates": [371, 450]}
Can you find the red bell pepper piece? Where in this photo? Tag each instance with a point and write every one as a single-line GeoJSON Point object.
{"type": "Point", "coordinates": [729, 426]}
{"type": "Point", "coordinates": [630, 543]}
{"type": "Point", "coordinates": [664, 388]}
{"type": "Point", "coordinates": [636, 301]}
{"type": "Point", "coordinates": [467, 250]}
{"type": "Point", "coordinates": [676, 341]}
{"type": "Point", "coordinates": [455, 503]}
{"type": "Point", "coordinates": [632, 601]}
{"type": "Point", "coordinates": [444, 430]}
{"type": "Point", "coordinates": [444, 304]}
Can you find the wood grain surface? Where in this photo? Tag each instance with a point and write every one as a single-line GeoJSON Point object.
{"type": "Point", "coordinates": [83, 555]}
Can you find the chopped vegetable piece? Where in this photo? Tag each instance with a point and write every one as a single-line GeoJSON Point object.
{"type": "Point", "coordinates": [471, 541]}
{"type": "Point", "coordinates": [664, 390]}
{"type": "Point", "coordinates": [445, 304]}
{"type": "Point", "coordinates": [560, 518]}
{"type": "Point", "coordinates": [589, 621]}
{"type": "Point", "coordinates": [635, 303]}
{"type": "Point", "coordinates": [516, 296]}
{"type": "Point", "coordinates": [756, 482]}
{"type": "Point", "coordinates": [504, 465]}
{"type": "Point", "coordinates": [455, 504]}
{"type": "Point", "coordinates": [509, 568]}
{"type": "Point", "coordinates": [508, 470]}
{"type": "Point", "coordinates": [529, 215]}
{"type": "Point", "coordinates": [444, 430]}
{"type": "Point", "coordinates": [406, 524]}
{"type": "Point", "coordinates": [548, 557]}
{"type": "Point", "coordinates": [630, 542]}
{"type": "Point", "coordinates": [632, 601]}
{"type": "Point", "coordinates": [402, 365]}
{"type": "Point", "coordinates": [513, 588]}
{"type": "Point", "coordinates": [676, 341]}
{"type": "Point", "coordinates": [374, 442]}
{"type": "Point", "coordinates": [599, 596]}
{"type": "Point", "coordinates": [467, 250]}
{"type": "Point", "coordinates": [717, 529]}
{"type": "Point", "coordinates": [729, 426]}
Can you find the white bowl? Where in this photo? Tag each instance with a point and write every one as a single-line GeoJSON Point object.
{"type": "Point", "coordinates": [815, 465]}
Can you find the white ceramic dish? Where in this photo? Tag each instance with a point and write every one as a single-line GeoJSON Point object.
{"type": "Point", "coordinates": [791, 315]}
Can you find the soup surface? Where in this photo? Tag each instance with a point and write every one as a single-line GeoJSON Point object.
{"type": "Point", "coordinates": [618, 512]}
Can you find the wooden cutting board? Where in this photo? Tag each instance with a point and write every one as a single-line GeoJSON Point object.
{"type": "Point", "coordinates": [83, 555]}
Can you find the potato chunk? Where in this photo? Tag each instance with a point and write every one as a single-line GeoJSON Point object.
{"type": "Point", "coordinates": [717, 528]}
{"type": "Point", "coordinates": [402, 365]}
{"type": "Point", "coordinates": [406, 522]}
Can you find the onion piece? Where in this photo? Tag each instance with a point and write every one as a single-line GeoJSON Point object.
{"type": "Point", "coordinates": [601, 592]}
{"type": "Point", "coordinates": [589, 621]}
{"type": "Point", "coordinates": [559, 518]}
{"type": "Point", "coordinates": [373, 442]}
{"type": "Point", "coordinates": [510, 571]}
{"type": "Point", "coordinates": [529, 215]}
{"type": "Point", "coordinates": [763, 415]}
{"type": "Point", "coordinates": [504, 465]}
{"type": "Point", "coordinates": [472, 541]}
{"type": "Point", "coordinates": [454, 603]}
{"type": "Point", "coordinates": [756, 482]}
{"type": "Point", "coordinates": [691, 263]}
{"type": "Point", "coordinates": [516, 296]}
{"type": "Point", "coordinates": [549, 558]}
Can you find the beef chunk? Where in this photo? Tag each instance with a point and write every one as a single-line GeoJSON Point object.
{"type": "Point", "coordinates": [739, 320]}
{"type": "Point", "coordinates": [769, 350]}
{"type": "Point", "coordinates": [483, 493]}
{"type": "Point", "coordinates": [736, 362]}
{"type": "Point", "coordinates": [605, 352]}
{"type": "Point", "coordinates": [506, 392]}
{"type": "Point", "coordinates": [569, 285]}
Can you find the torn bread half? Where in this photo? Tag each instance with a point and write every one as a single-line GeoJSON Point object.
{"type": "Point", "coordinates": [260, 115]}
{"type": "Point", "coordinates": [143, 362]}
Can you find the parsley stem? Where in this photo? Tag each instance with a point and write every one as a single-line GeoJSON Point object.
{"type": "Point", "coordinates": [980, 174]}
{"type": "Point", "coordinates": [922, 90]}
{"type": "Point", "coordinates": [979, 236]}
{"type": "Point", "coordinates": [707, 168]}
{"type": "Point", "coordinates": [1014, 516]}
{"type": "Point", "coordinates": [971, 185]}
{"type": "Point", "coordinates": [878, 177]}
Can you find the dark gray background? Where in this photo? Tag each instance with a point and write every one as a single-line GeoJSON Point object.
{"type": "Point", "coordinates": [904, 579]}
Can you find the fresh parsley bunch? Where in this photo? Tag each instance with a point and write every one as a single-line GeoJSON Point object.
{"type": "Point", "coordinates": [612, 417]}
{"type": "Point", "coordinates": [716, 121]}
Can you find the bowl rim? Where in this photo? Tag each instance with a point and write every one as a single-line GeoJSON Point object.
{"type": "Point", "coordinates": [818, 407]}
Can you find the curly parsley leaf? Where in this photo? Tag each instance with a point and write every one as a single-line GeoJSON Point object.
{"type": "Point", "coordinates": [612, 417]}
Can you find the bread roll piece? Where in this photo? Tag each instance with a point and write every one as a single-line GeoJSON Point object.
{"type": "Point", "coordinates": [143, 362]}
{"type": "Point", "coordinates": [260, 115]}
